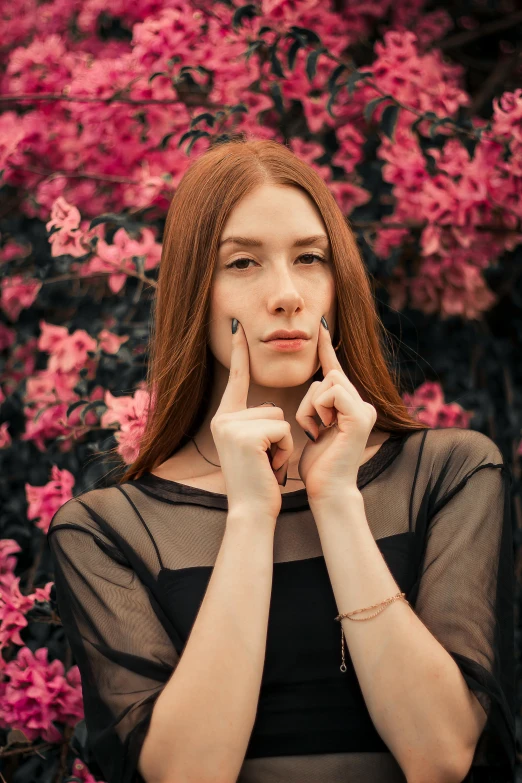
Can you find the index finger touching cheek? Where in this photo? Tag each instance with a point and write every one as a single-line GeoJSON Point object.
{"type": "Point", "coordinates": [236, 391]}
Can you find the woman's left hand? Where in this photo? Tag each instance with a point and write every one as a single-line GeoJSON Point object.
{"type": "Point", "coordinates": [329, 466]}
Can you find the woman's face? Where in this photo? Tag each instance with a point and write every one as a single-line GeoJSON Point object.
{"type": "Point", "coordinates": [274, 285]}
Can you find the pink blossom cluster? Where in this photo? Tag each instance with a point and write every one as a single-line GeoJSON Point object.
{"type": "Point", "coordinates": [36, 694]}
{"type": "Point", "coordinates": [14, 604]}
{"type": "Point", "coordinates": [129, 414]}
{"type": "Point", "coordinates": [121, 143]}
{"type": "Point", "coordinates": [71, 236]}
{"type": "Point", "coordinates": [470, 208]}
{"type": "Point", "coordinates": [427, 405]}
{"type": "Point", "coordinates": [44, 502]}
{"type": "Point", "coordinates": [50, 392]}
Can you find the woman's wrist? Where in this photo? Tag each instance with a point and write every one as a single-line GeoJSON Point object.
{"type": "Point", "coordinates": [245, 516]}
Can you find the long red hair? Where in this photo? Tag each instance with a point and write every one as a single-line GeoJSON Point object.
{"type": "Point", "coordinates": [179, 372]}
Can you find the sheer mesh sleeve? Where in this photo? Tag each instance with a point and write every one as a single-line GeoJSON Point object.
{"type": "Point", "coordinates": [123, 652]}
{"type": "Point", "coordinates": [466, 591]}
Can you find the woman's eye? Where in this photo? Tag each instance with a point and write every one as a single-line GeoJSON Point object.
{"type": "Point", "coordinates": [305, 255]}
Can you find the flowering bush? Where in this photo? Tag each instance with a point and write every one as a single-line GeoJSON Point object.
{"type": "Point", "coordinates": [103, 107]}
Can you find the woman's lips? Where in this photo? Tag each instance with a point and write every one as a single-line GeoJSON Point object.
{"type": "Point", "coordinates": [287, 345]}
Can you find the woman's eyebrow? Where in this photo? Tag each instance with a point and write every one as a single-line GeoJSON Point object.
{"type": "Point", "coordinates": [253, 242]}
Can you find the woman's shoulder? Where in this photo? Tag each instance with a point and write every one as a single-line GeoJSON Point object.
{"type": "Point", "coordinates": [450, 456]}
{"type": "Point", "coordinates": [458, 443]}
{"type": "Point", "coordinates": [88, 508]}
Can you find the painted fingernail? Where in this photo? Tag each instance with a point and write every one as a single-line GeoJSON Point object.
{"type": "Point", "coordinates": [322, 422]}
{"type": "Point", "coordinates": [234, 325]}
{"type": "Point", "coordinates": [323, 321]}
{"type": "Point", "coordinates": [310, 435]}
{"type": "Point", "coordinates": [286, 478]}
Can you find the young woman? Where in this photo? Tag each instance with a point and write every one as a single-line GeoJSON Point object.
{"type": "Point", "coordinates": [214, 598]}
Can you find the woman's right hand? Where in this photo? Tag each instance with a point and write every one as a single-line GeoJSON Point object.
{"type": "Point", "coordinates": [243, 438]}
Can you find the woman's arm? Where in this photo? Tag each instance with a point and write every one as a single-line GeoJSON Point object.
{"type": "Point", "coordinates": [415, 693]}
{"type": "Point", "coordinates": [202, 720]}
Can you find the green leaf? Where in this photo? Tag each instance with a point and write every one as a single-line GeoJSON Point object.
{"type": "Point", "coordinates": [297, 37]}
{"type": "Point", "coordinates": [158, 73]}
{"type": "Point", "coordinates": [252, 48]}
{"type": "Point", "coordinates": [311, 63]}
{"type": "Point", "coordinates": [389, 120]}
{"type": "Point", "coordinates": [73, 407]}
{"type": "Point", "coordinates": [277, 69]}
{"type": "Point", "coordinates": [90, 407]}
{"type": "Point", "coordinates": [309, 35]}
{"type": "Point", "coordinates": [372, 105]}
{"type": "Point", "coordinates": [275, 91]}
{"type": "Point", "coordinates": [237, 107]}
{"type": "Point", "coordinates": [292, 53]}
{"type": "Point", "coordinates": [245, 12]}
{"type": "Point", "coordinates": [165, 141]}
{"type": "Point", "coordinates": [355, 77]}
{"type": "Point", "coordinates": [197, 135]}
{"type": "Point", "coordinates": [335, 75]}
{"type": "Point", "coordinates": [139, 263]}
{"type": "Point", "coordinates": [186, 136]}
{"type": "Point", "coordinates": [185, 78]}
{"type": "Point", "coordinates": [415, 127]}
{"type": "Point", "coordinates": [108, 217]}
{"type": "Point", "coordinates": [331, 100]}
{"type": "Point", "coordinates": [205, 116]}
{"type": "Point", "coordinates": [437, 124]}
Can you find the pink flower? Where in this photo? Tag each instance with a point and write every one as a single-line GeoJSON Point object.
{"type": "Point", "coordinates": [130, 413]}
{"type": "Point", "coordinates": [348, 195]}
{"type": "Point", "coordinates": [70, 243]}
{"type": "Point", "coordinates": [68, 351]}
{"type": "Point", "coordinates": [8, 547]}
{"type": "Point", "coordinates": [5, 437]}
{"type": "Point", "coordinates": [110, 342]}
{"type": "Point", "coordinates": [13, 608]}
{"type": "Point", "coordinates": [45, 501]}
{"type": "Point", "coordinates": [427, 405]}
{"type": "Point", "coordinates": [7, 337]}
{"type": "Point", "coordinates": [18, 294]}
{"type": "Point", "coordinates": [388, 238]}
{"type": "Point", "coordinates": [12, 250]}
{"type": "Point", "coordinates": [37, 694]}
{"type": "Point", "coordinates": [64, 216]}
{"type": "Point", "coordinates": [117, 257]}
{"type": "Point", "coordinates": [507, 118]}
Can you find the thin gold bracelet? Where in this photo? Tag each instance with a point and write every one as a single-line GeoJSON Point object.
{"type": "Point", "coordinates": [382, 604]}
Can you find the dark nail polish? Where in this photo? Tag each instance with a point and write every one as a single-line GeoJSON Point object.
{"type": "Point", "coordinates": [323, 321]}
{"type": "Point", "coordinates": [234, 325]}
{"type": "Point", "coordinates": [286, 478]}
{"type": "Point", "coordinates": [310, 435]}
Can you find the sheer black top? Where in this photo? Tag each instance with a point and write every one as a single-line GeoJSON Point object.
{"type": "Point", "coordinates": [132, 563]}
